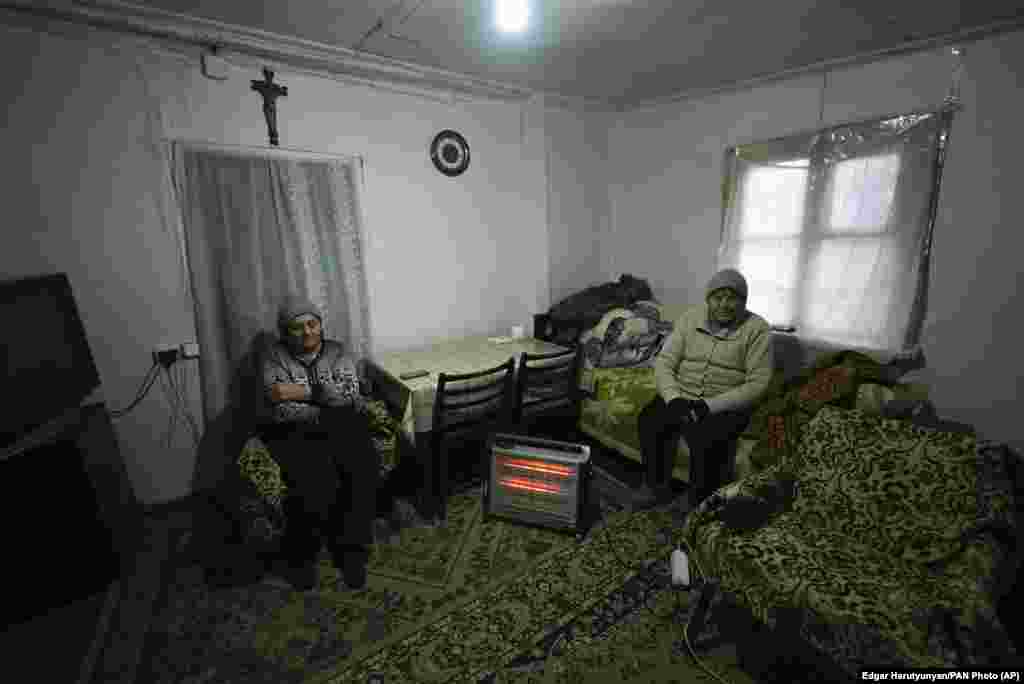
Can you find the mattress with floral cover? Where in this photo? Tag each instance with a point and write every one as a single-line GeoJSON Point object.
{"type": "Point", "coordinates": [875, 542]}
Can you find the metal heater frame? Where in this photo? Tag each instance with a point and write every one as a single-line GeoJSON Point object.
{"type": "Point", "coordinates": [585, 513]}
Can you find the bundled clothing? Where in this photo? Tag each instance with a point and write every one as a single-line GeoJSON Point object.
{"type": "Point", "coordinates": [585, 308]}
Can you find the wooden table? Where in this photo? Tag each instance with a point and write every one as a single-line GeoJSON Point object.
{"type": "Point", "coordinates": [413, 399]}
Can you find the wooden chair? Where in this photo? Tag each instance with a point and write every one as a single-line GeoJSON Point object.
{"type": "Point", "coordinates": [548, 393]}
{"type": "Point", "coordinates": [467, 408]}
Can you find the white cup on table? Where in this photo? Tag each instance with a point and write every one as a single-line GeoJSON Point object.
{"type": "Point", "coordinates": [518, 332]}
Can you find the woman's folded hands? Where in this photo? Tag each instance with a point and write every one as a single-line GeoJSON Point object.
{"type": "Point", "coordinates": [287, 391]}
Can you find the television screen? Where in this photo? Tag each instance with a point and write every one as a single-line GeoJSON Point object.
{"type": "Point", "coordinates": [45, 355]}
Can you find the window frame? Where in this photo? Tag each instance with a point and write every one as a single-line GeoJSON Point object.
{"type": "Point", "coordinates": [816, 231]}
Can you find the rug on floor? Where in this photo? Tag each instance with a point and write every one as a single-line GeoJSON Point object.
{"type": "Point", "coordinates": [472, 601]}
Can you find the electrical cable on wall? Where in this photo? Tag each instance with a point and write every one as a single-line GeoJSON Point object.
{"type": "Point", "coordinates": [175, 390]}
{"type": "Point", "coordinates": [147, 384]}
{"type": "Point", "coordinates": [183, 392]}
{"type": "Point", "coordinates": [172, 420]}
{"type": "Point", "coordinates": [179, 409]}
{"type": "Point", "coordinates": [381, 25]}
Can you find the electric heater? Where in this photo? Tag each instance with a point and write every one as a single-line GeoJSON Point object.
{"type": "Point", "coordinates": [539, 482]}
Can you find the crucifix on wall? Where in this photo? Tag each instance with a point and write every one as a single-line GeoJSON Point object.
{"type": "Point", "coordinates": [270, 92]}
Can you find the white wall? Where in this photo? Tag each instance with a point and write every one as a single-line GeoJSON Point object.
{"type": "Point", "coordinates": [578, 209]}
{"type": "Point", "coordinates": [666, 204]}
{"type": "Point", "coordinates": [445, 256]}
{"type": "Point", "coordinates": [666, 191]}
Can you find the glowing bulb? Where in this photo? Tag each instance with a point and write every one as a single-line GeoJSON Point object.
{"type": "Point", "coordinates": [512, 15]}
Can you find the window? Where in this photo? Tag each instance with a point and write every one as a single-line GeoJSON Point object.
{"type": "Point", "coordinates": [832, 229]}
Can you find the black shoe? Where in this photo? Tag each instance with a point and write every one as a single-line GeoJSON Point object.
{"type": "Point", "coordinates": [384, 531]}
{"type": "Point", "coordinates": [664, 495]}
{"type": "Point", "coordinates": [352, 564]}
{"type": "Point", "coordinates": [354, 574]}
{"type": "Point", "coordinates": [404, 516]}
{"type": "Point", "coordinates": [301, 577]}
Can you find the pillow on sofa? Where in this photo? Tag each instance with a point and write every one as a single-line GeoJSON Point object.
{"type": "Point", "coordinates": [626, 336]}
{"type": "Point", "coordinates": [893, 401]}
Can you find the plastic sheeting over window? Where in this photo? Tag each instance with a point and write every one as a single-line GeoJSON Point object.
{"type": "Point", "coordinates": [833, 228]}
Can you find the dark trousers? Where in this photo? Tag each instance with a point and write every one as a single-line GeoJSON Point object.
{"type": "Point", "coordinates": [333, 473]}
{"type": "Point", "coordinates": [710, 444]}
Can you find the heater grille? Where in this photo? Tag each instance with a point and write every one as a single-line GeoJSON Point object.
{"type": "Point", "coordinates": [540, 482]}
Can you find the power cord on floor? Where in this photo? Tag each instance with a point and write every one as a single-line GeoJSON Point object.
{"type": "Point", "coordinates": [668, 618]}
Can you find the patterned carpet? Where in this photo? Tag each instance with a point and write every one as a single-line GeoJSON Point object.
{"type": "Point", "coordinates": [472, 601]}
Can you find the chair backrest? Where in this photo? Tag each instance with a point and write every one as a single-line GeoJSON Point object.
{"type": "Point", "coordinates": [473, 400]}
{"type": "Point", "coordinates": [549, 382]}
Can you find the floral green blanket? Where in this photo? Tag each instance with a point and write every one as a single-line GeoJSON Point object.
{"type": "Point", "coordinates": [254, 492]}
{"type": "Point", "coordinates": [875, 541]}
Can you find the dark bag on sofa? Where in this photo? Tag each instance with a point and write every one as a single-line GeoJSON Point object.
{"type": "Point", "coordinates": [584, 309]}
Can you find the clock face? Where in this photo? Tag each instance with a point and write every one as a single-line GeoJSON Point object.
{"type": "Point", "coordinates": [450, 153]}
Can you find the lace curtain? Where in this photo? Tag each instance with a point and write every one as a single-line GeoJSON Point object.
{"type": "Point", "coordinates": [259, 226]}
{"type": "Point", "coordinates": [833, 229]}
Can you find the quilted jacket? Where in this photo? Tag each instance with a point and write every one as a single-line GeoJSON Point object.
{"type": "Point", "coordinates": [730, 372]}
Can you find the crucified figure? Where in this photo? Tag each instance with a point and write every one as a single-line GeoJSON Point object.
{"type": "Point", "coordinates": [270, 92]}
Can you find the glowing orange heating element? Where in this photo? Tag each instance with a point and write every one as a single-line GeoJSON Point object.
{"type": "Point", "coordinates": [530, 485]}
{"type": "Point", "coordinates": [539, 467]}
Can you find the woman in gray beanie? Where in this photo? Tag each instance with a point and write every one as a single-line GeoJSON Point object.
{"type": "Point", "coordinates": [321, 439]}
{"type": "Point", "coordinates": [713, 368]}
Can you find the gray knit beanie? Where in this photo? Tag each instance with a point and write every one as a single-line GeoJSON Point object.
{"type": "Point", "coordinates": [296, 306]}
{"type": "Point", "coordinates": [728, 277]}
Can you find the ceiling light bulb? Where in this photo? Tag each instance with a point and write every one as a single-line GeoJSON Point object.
{"type": "Point", "coordinates": [512, 15]}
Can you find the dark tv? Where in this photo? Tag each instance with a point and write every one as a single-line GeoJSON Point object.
{"type": "Point", "coordinates": [45, 356]}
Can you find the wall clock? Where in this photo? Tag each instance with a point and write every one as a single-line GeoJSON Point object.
{"type": "Point", "coordinates": [450, 153]}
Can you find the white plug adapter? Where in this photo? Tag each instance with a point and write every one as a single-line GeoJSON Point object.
{"type": "Point", "coordinates": [680, 569]}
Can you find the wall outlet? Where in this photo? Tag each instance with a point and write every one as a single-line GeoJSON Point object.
{"type": "Point", "coordinates": [165, 354]}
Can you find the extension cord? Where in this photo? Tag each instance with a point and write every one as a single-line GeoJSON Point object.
{"type": "Point", "coordinates": [680, 563]}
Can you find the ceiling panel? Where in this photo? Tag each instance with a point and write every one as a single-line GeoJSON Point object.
{"type": "Point", "coordinates": [611, 49]}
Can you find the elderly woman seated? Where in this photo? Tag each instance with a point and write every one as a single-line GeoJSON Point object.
{"type": "Point", "coordinates": [319, 434]}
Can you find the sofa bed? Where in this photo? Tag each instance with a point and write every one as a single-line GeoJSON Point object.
{"type": "Point", "coordinates": [618, 381]}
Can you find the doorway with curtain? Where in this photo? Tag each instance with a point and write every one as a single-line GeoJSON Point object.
{"type": "Point", "coordinates": [258, 225]}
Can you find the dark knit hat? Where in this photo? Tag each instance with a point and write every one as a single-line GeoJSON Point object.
{"type": "Point", "coordinates": [296, 306]}
{"type": "Point", "coordinates": [728, 277]}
